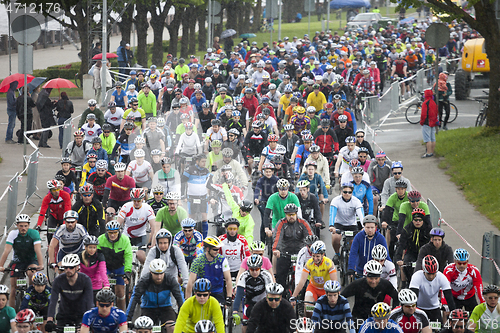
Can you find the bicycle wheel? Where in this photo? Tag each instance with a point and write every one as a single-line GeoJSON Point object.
{"type": "Point", "coordinates": [19, 299]}
{"type": "Point", "coordinates": [78, 81]}
{"type": "Point", "coordinates": [51, 273]}
{"type": "Point", "coordinates": [412, 113]}
{"type": "Point", "coordinates": [229, 325]}
{"type": "Point", "coordinates": [481, 117]}
{"type": "Point", "coordinates": [345, 261]}
{"type": "Point", "coordinates": [453, 113]}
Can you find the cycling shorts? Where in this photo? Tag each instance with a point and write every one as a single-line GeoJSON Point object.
{"type": "Point", "coordinates": [146, 184]}
{"type": "Point", "coordinates": [139, 241]}
{"type": "Point", "coordinates": [197, 204]}
{"type": "Point", "coordinates": [119, 279]}
{"type": "Point", "coordinates": [21, 266]}
{"type": "Point", "coordinates": [116, 205]}
{"type": "Point", "coordinates": [316, 292]}
{"type": "Point", "coordinates": [163, 314]}
{"type": "Point", "coordinates": [342, 227]}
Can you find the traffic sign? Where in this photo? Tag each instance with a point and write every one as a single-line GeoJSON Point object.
{"type": "Point", "coordinates": [28, 23]}
{"type": "Point", "coordinates": [437, 35]}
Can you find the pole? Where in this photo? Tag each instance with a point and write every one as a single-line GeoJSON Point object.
{"type": "Point", "coordinates": [104, 49]}
{"type": "Point", "coordinates": [309, 19]}
{"type": "Point", "coordinates": [279, 19]}
{"type": "Point", "coordinates": [327, 15]}
{"type": "Point", "coordinates": [10, 47]}
{"type": "Point", "coordinates": [436, 92]}
{"type": "Point", "coordinates": [25, 88]}
{"type": "Point", "coordinates": [269, 14]}
{"type": "Point", "coordinates": [209, 39]}
{"type": "Point", "coordinates": [387, 7]}
{"type": "Point", "coordinates": [60, 36]}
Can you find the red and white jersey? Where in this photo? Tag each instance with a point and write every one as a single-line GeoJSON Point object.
{"type": "Point", "coordinates": [466, 284]}
{"type": "Point", "coordinates": [235, 251]}
{"type": "Point", "coordinates": [136, 219]}
{"type": "Point", "coordinates": [140, 173]}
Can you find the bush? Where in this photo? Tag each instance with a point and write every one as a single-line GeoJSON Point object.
{"type": "Point", "coordinates": [59, 71]}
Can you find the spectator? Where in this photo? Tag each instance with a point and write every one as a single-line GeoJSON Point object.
{"type": "Point", "coordinates": [45, 106]}
{"type": "Point", "coordinates": [11, 111]}
{"type": "Point", "coordinates": [20, 115]}
{"type": "Point", "coordinates": [64, 109]}
{"type": "Point", "coordinates": [429, 121]}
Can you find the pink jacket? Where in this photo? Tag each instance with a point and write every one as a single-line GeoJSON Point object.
{"type": "Point", "coordinates": [375, 73]}
{"type": "Point", "coordinates": [96, 271]}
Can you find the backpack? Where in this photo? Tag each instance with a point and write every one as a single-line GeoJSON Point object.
{"type": "Point", "coordinates": [172, 255]}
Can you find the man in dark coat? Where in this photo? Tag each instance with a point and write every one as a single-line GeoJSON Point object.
{"type": "Point", "coordinates": [45, 106]}
{"type": "Point", "coordinates": [20, 115]}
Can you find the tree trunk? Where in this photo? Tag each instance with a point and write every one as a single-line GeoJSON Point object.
{"type": "Point", "coordinates": [257, 15]}
{"type": "Point", "coordinates": [141, 22]}
{"type": "Point", "coordinates": [202, 29]}
{"type": "Point", "coordinates": [158, 24]}
{"type": "Point", "coordinates": [185, 34]}
{"type": "Point", "coordinates": [246, 17]}
{"type": "Point", "coordinates": [173, 30]}
{"type": "Point", "coordinates": [194, 13]}
{"type": "Point", "coordinates": [232, 15]}
{"type": "Point", "coordinates": [125, 24]}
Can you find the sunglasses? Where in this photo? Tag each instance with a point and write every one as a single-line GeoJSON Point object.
{"type": "Point", "coordinates": [360, 136]}
{"type": "Point", "coordinates": [274, 299]}
{"type": "Point", "coordinates": [135, 104]}
{"type": "Point", "coordinates": [67, 267]}
{"type": "Point", "coordinates": [113, 232]}
{"type": "Point", "coordinates": [397, 173]}
{"type": "Point", "coordinates": [347, 192]}
{"type": "Point", "coordinates": [86, 195]}
{"type": "Point", "coordinates": [462, 263]}
{"type": "Point", "coordinates": [254, 269]}
{"type": "Point", "coordinates": [232, 228]}
{"type": "Point", "coordinates": [158, 193]}
{"type": "Point", "coordinates": [291, 214]}
{"type": "Point", "coordinates": [106, 132]}
{"type": "Point", "coordinates": [187, 230]}
{"type": "Point", "coordinates": [202, 295]}
{"type": "Point", "coordinates": [414, 201]}
{"type": "Point", "coordinates": [104, 305]}
{"type": "Point", "coordinates": [418, 220]}
{"type": "Point", "coordinates": [56, 189]}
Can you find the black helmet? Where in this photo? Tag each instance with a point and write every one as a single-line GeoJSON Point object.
{"type": "Point", "coordinates": [246, 206]}
{"type": "Point", "coordinates": [230, 221]}
{"type": "Point", "coordinates": [96, 140]}
{"type": "Point", "coordinates": [133, 99]}
{"type": "Point", "coordinates": [105, 296]}
{"type": "Point", "coordinates": [310, 239]}
{"type": "Point", "coordinates": [291, 208]}
{"type": "Point", "coordinates": [107, 127]}
{"type": "Point", "coordinates": [216, 122]}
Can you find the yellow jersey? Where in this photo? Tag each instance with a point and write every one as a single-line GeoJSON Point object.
{"type": "Point", "coordinates": [319, 274]}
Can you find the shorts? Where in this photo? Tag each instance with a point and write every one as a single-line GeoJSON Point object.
{"type": "Point", "coordinates": [197, 204]}
{"type": "Point", "coordinates": [247, 311]}
{"type": "Point", "coordinates": [342, 227]}
{"type": "Point", "coordinates": [22, 266]}
{"type": "Point", "coordinates": [41, 313]}
{"type": "Point", "coordinates": [316, 292]}
{"type": "Point", "coordinates": [118, 271]}
{"type": "Point", "coordinates": [146, 184]}
{"type": "Point", "coordinates": [139, 241]}
{"type": "Point", "coordinates": [429, 133]}
{"type": "Point", "coordinates": [116, 204]}
{"type": "Point", "coordinates": [163, 314]}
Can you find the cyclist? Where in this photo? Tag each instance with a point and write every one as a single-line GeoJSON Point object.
{"type": "Point", "coordinates": [68, 238]}
{"type": "Point", "coordinates": [98, 150]}
{"type": "Point", "coordinates": [426, 284]}
{"type": "Point", "coordinates": [201, 306]}
{"type": "Point", "coordinates": [322, 167]}
{"type": "Point", "coordinates": [299, 120]}
{"type": "Point", "coordinates": [379, 253]}
{"type": "Point", "coordinates": [390, 214]}
{"type": "Point", "coordinates": [140, 170]}
{"type": "Point", "coordinates": [234, 246]}
{"type": "Point", "coordinates": [154, 291]}
{"type": "Point", "coordinates": [276, 203]}
{"type": "Point", "coordinates": [486, 315]}
{"type": "Point", "coordinates": [88, 168]}
{"type": "Point", "coordinates": [319, 269]}
{"type": "Point", "coordinates": [283, 167]}
{"type": "Point", "coordinates": [255, 141]}
{"type": "Point", "coordinates": [57, 202]}
{"type": "Point", "coordinates": [390, 183]}
{"type": "Point", "coordinates": [37, 296]}
{"type": "Point", "coordinates": [90, 211]}
{"type": "Point", "coordinates": [362, 189]}
{"type": "Point", "coordinates": [269, 151]}
{"type": "Point", "coordinates": [118, 255]}
{"type": "Point", "coordinates": [7, 313]}
{"type": "Point", "coordinates": [289, 235]}
{"type": "Point", "coordinates": [77, 150]}
{"type": "Point", "coordinates": [465, 281]}
{"type": "Point", "coordinates": [399, 68]}
{"type": "Point", "coordinates": [380, 322]}
{"type": "Point", "coordinates": [363, 244]}
{"type": "Point", "coordinates": [171, 255]}
{"type": "Point", "coordinates": [69, 175]}
{"type": "Point", "coordinates": [303, 256]}
{"type": "Point", "coordinates": [143, 324]}
{"type": "Point", "coordinates": [302, 152]}
{"type": "Point", "coordinates": [257, 247]}
{"type": "Point", "coordinates": [27, 247]}
{"type": "Point", "coordinates": [366, 85]}
{"type": "Point", "coordinates": [346, 154]}
{"type": "Point", "coordinates": [273, 313]}
{"type": "Point", "coordinates": [214, 267]}
{"type": "Point", "coordinates": [99, 178]}
{"type": "Point", "coordinates": [72, 291]}
{"type": "Point", "coordinates": [134, 217]}
{"type": "Point", "coordinates": [190, 241]}
{"type": "Point", "coordinates": [93, 264]}
{"type": "Point", "coordinates": [251, 285]}
{"type": "Point", "coordinates": [171, 216]}
{"type": "Point", "coordinates": [410, 318]}
{"type": "Point", "coordinates": [105, 317]}
{"type": "Point", "coordinates": [344, 209]}
{"type": "Point", "coordinates": [369, 290]}
{"type": "Point", "coordinates": [364, 162]}
{"type": "Point", "coordinates": [117, 190]}
{"type": "Point", "coordinates": [168, 177]}
{"type": "Point", "coordinates": [406, 210]}
{"type": "Point", "coordinates": [125, 142]}
{"type": "Point", "coordinates": [214, 155]}
{"type": "Point", "coordinates": [157, 201]}
{"type": "Point", "coordinates": [437, 248]}
{"type": "Point", "coordinates": [458, 322]}
{"type": "Point", "coordinates": [309, 204]}
{"type": "Point", "coordinates": [379, 172]}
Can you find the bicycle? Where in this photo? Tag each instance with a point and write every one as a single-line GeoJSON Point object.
{"type": "Point", "coordinates": [21, 284]}
{"type": "Point", "coordinates": [408, 270]}
{"type": "Point", "coordinates": [359, 104]}
{"type": "Point", "coordinates": [290, 278]}
{"type": "Point", "coordinates": [345, 248]}
{"type": "Point", "coordinates": [413, 111]}
{"type": "Point", "coordinates": [481, 117]}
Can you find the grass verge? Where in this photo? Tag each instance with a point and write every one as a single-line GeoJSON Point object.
{"type": "Point", "coordinates": [472, 166]}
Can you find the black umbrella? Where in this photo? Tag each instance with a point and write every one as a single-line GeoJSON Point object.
{"type": "Point", "coordinates": [35, 83]}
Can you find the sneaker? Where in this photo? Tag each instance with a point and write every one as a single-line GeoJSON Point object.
{"type": "Point", "coordinates": [10, 141]}
{"type": "Point", "coordinates": [445, 128]}
{"type": "Point", "coordinates": [427, 155]}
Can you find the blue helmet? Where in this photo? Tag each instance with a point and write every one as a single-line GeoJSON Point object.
{"type": "Point", "coordinates": [461, 255]}
{"type": "Point", "coordinates": [397, 164]}
{"type": "Point", "coordinates": [202, 285]}
{"type": "Point", "coordinates": [188, 223]}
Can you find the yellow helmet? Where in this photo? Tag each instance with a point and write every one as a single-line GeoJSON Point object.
{"type": "Point", "coordinates": [381, 310]}
{"type": "Point", "coordinates": [299, 109]}
{"type": "Point", "coordinates": [213, 241]}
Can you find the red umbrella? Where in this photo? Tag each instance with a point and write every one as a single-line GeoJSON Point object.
{"type": "Point", "coordinates": [59, 83]}
{"type": "Point", "coordinates": [108, 56]}
{"type": "Point", "coordinates": [4, 87]}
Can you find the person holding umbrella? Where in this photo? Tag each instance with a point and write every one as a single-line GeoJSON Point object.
{"type": "Point", "coordinates": [64, 109]}
{"type": "Point", "coordinates": [45, 106]}
{"type": "Point", "coordinates": [20, 114]}
{"type": "Point", "coordinates": [11, 111]}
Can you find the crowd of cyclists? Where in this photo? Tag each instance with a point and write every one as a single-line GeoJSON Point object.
{"type": "Point", "coordinates": [127, 217]}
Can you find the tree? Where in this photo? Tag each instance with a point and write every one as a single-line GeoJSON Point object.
{"type": "Point", "coordinates": [142, 25]}
{"type": "Point", "coordinates": [484, 22]}
{"type": "Point", "coordinates": [158, 16]}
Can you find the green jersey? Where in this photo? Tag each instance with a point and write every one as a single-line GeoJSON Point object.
{"type": "Point", "coordinates": [486, 321]}
{"type": "Point", "coordinates": [7, 315]}
{"type": "Point", "coordinates": [277, 205]}
{"type": "Point", "coordinates": [171, 222]}
{"type": "Point", "coordinates": [117, 254]}
{"type": "Point", "coordinates": [24, 246]}
{"type": "Point", "coordinates": [406, 209]}
{"type": "Point", "coordinates": [247, 223]}
{"type": "Point", "coordinates": [395, 202]}
{"type": "Point", "coordinates": [212, 159]}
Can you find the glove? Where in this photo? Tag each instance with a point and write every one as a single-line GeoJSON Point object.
{"type": "Point", "coordinates": [350, 272]}
{"type": "Point", "coordinates": [38, 228]}
{"type": "Point", "coordinates": [236, 318]}
{"type": "Point", "coordinates": [327, 187]}
{"type": "Point", "coordinates": [229, 301]}
{"type": "Point", "coordinates": [50, 326]}
{"type": "Point", "coordinates": [128, 276]}
{"type": "Point", "coordinates": [293, 299]}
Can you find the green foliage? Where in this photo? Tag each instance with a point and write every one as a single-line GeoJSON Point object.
{"type": "Point", "coordinates": [473, 166]}
{"type": "Point", "coordinates": [447, 7]}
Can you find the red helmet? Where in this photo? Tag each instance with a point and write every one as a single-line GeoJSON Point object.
{"type": "Point", "coordinates": [89, 156]}
{"type": "Point", "coordinates": [459, 314]}
{"type": "Point", "coordinates": [25, 316]}
{"type": "Point", "coordinates": [354, 163]}
{"type": "Point", "coordinates": [418, 211]}
{"type": "Point", "coordinates": [414, 196]}
{"type": "Point", "coordinates": [329, 106]}
{"type": "Point", "coordinates": [430, 264]}
{"type": "Point", "coordinates": [79, 133]}
{"type": "Point", "coordinates": [273, 138]}
{"type": "Point", "coordinates": [137, 194]}
{"type": "Point", "coordinates": [51, 184]}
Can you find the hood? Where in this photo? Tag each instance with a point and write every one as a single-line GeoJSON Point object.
{"type": "Point", "coordinates": [428, 93]}
{"type": "Point", "coordinates": [169, 243]}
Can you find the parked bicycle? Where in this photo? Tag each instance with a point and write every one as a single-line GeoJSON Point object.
{"type": "Point", "coordinates": [414, 110]}
{"type": "Point", "coordinates": [481, 117]}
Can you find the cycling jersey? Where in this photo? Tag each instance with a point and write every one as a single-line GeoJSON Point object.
{"type": "Point", "coordinates": [71, 241]}
{"type": "Point", "coordinates": [140, 173]}
{"type": "Point", "coordinates": [73, 300]}
{"type": "Point", "coordinates": [316, 185]}
{"type": "Point", "coordinates": [363, 192]}
{"type": "Point", "coordinates": [388, 273]}
{"type": "Point", "coordinates": [86, 171]}
{"type": "Point", "coordinates": [126, 144]}
{"type": "Point", "coordinates": [337, 318]}
{"type": "Point", "coordinates": [111, 323]}
{"type": "Point", "coordinates": [138, 115]}
{"type": "Point", "coordinates": [91, 132]}
{"type": "Point", "coordinates": [405, 216]}
{"type": "Point", "coordinates": [192, 312]}
{"type": "Point", "coordinates": [136, 219]}
{"type": "Point", "coordinates": [57, 206]}
{"type": "Point", "coordinates": [370, 326]}
{"type": "Point", "coordinates": [400, 65]}
{"type": "Point", "coordinates": [345, 212]}
{"type": "Point", "coordinates": [191, 247]}
{"type": "Point", "coordinates": [268, 153]}
{"type": "Point", "coordinates": [412, 61]}
{"type": "Point", "coordinates": [486, 321]}
{"type": "Point", "coordinates": [7, 316]}
{"type": "Point", "coordinates": [319, 274]}
{"type": "Point", "coordinates": [428, 291]}
{"type": "Point", "coordinates": [255, 143]}
{"type": "Point", "coordinates": [118, 254]}
{"type": "Point", "coordinates": [170, 181]}
{"type": "Point", "coordinates": [347, 178]}
{"type": "Point", "coordinates": [212, 270]}
{"type": "Point", "coordinates": [24, 246]}
{"type": "Point", "coordinates": [300, 124]}
{"type": "Point", "coordinates": [302, 155]}
{"type": "Point", "coordinates": [255, 288]}
{"type": "Point", "coordinates": [466, 284]}
{"type": "Point", "coordinates": [157, 205]}
{"type": "Point", "coordinates": [394, 202]}
{"type": "Point", "coordinates": [91, 216]}
{"type": "Point", "coordinates": [98, 182]}
{"type": "Point", "coordinates": [120, 189]}
{"type": "Point", "coordinates": [310, 208]}
{"type": "Point", "coordinates": [410, 324]}
{"type": "Point", "coordinates": [194, 180]}
{"type": "Point", "coordinates": [38, 302]}
{"type": "Point", "coordinates": [366, 84]}
{"type": "Point", "coordinates": [302, 258]}
{"type": "Point", "coordinates": [277, 205]}
{"type": "Point", "coordinates": [347, 156]}
{"type": "Point", "coordinates": [171, 222]}
{"type": "Point", "coordinates": [234, 250]}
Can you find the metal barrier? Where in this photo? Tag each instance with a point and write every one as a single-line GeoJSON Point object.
{"type": "Point", "coordinates": [67, 134]}
{"type": "Point", "coordinates": [32, 177]}
{"type": "Point", "coordinates": [420, 80]}
{"type": "Point", "coordinates": [12, 201]}
{"type": "Point", "coordinates": [394, 97]}
{"type": "Point", "coordinates": [490, 253]}
{"type": "Point", "coordinates": [435, 214]}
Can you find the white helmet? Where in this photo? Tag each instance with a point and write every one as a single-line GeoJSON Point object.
{"type": "Point", "coordinates": [373, 269]}
{"type": "Point", "coordinates": [204, 326]}
{"type": "Point", "coordinates": [407, 296]}
{"type": "Point", "coordinates": [173, 196]}
{"type": "Point", "coordinates": [139, 139]}
{"type": "Point", "coordinates": [157, 266]}
{"type": "Point", "coordinates": [379, 252]}
{"type": "Point", "coordinates": [139, 153]}
{"type": "Point", "coordinates": [144, 323]}
{"type": "Point", "coordinates": [101, 164]}
{"type": "Point", "coordinates": [275, 289]}
{"type": "Point", "coordinates": [23, 218]}
{"type": "Point", "coordinates": [4, 289]}
{"type": "Point", "coordinates": [70, 260]}
{"type": "Point", "coordinates": [304, 325]}
{"type": "Point", "coordinates": [120, 166]}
